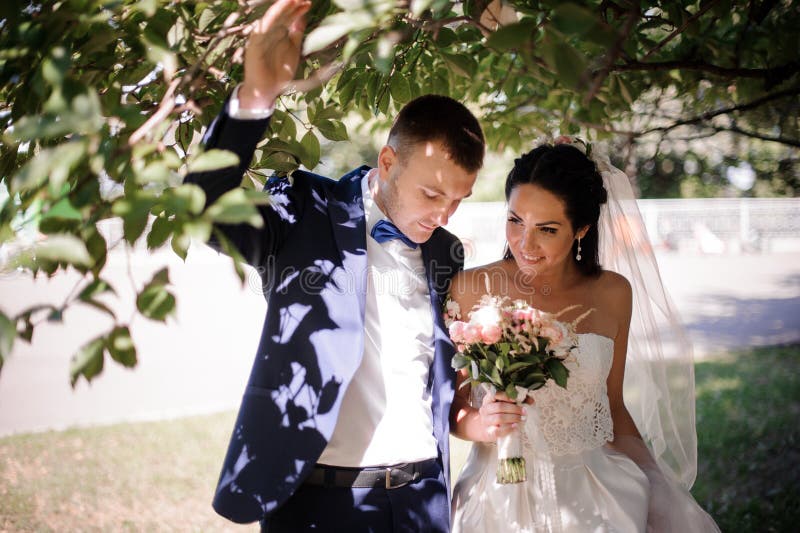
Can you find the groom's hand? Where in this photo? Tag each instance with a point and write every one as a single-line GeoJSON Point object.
{"type": "Point", "coordinates": [500, 415]}
{"type": "Point", "coordinates": [272, 53]}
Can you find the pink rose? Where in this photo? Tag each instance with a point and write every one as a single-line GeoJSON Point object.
{"type": "Point", "coordinates": [471, 334]}
{"type": "Point", "coordinates": [522, 314]}
{"type": "Point", "coordinates": [456, 331]}
{"type": "Point", "coordinates": [491, 334]}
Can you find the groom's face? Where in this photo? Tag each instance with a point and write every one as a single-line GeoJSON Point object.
{"type": "Point", "coordinates": [419, 190]}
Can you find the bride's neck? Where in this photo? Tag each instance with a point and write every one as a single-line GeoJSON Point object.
{"type": "Point", "coordinates": [556, 280]}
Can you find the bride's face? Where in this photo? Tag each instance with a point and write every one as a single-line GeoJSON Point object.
{"type": "Point", "coordinates": [538, 232]}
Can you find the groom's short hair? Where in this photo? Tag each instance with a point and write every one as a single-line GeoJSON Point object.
{"type": "Point", "coordinates": [437, 118]}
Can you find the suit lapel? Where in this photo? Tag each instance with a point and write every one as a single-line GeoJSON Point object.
{"type": "Point", "coordinates": [440, 268]}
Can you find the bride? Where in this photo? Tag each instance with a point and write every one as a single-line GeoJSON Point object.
{"type": "Point", "coordinates": [590, 468]}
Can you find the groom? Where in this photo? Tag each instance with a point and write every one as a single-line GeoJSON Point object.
{"type": "Point", "coordinates": [344, 421]}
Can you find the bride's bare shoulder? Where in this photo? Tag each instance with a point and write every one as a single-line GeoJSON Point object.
{"type": "Point", "coordinates": [614, 288]}
{"type": "Point", "coordinates": [469, 285]}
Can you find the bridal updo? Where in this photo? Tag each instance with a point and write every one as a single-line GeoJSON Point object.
{"type": "Point", "coordinates": [565, 171]}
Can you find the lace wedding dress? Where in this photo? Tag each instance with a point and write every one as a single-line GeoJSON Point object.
{"type": "Point", "coordinates": [582, 485]}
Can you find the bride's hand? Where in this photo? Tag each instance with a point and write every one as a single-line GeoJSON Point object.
{"type": "Point", "coordinates": [500, 415]}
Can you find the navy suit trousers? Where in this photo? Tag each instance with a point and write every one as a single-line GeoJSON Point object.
{"type": "Point", "coordinates": [418, 507]}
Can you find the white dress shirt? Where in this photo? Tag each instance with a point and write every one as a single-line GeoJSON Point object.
{"type": "Point", "coordinates": [385, 417]}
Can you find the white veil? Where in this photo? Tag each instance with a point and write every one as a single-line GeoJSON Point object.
{"type": "Point", "coordinates": [659, 374]}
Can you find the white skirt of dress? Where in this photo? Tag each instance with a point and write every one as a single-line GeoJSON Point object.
{"type": "Point", "coordinates": [598, 490]}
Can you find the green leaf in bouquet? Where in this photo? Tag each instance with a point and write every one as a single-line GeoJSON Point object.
{"type": "Point", "coordinates": [500, 363]}
{"type": "Point", "coordinates": [495, 378]}
{"type": "Point", "coordinates": [460, 361]}
{"type": "Point", "coordinates": [531, 358]}
{"type": "Point", "coordinates": [491, 355]}
{"type": "Point", "coordinates": [558, 371]}
{"type": "Point", "coordinates": [511, 391]}
{"type": "Point", "coordinates": [504, 348]}
{"type": "Point", "coordinates": [534, 380]}
{"type": "Point", "coordinates": [513, 367]}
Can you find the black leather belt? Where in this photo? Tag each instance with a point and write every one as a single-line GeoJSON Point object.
{"type": "Point", "coordinates": [387, 477]}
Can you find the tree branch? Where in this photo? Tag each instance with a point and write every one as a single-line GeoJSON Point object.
{"type": "Point", "coordinates": [680, 30]}
{"type": "Point", "coordinates": [773, 74]}
{"type": "Point", "coordinates": [754, 134]}
{"type": "Point", "coordinates": [614, 53]}
{"type": "Point", "coordinates": [726, 110]}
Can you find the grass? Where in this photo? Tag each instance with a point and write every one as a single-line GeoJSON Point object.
{"type": "Point", "coordinates": [160, 476]}
{"type": "Point", "coordinates": [748, 409]}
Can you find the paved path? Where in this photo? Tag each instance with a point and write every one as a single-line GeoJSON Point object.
{"type": "Point", "coordinates": [199, 361]}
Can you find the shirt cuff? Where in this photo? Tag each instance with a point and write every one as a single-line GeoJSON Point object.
{"type": "Point", "coordinates": [234, 111]}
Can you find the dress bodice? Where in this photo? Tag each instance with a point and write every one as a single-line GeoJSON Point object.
{"type": "Point", "coordinates": [577, 418]}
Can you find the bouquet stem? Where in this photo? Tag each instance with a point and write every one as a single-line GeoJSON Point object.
{"type": "Point", "coordinates": [510, 462]}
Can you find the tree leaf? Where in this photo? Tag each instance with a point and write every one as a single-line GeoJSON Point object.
{"type": "Point", "coordinates": [154, 301]}
{"type": "Point", "coordinates": [213, 159]}
{"type": "Point", "coordinates": [333, 130]}
{"type": "Point", "coordinates": [400, 89]}
{"type": "Point", "coordinates": [8, 332]}
{"type": "Point", "coordinates": [512, 36]}
{"type": "Point", "coordinates": [87, 361]}
{"type": "Point", "coordinates": [334, 27]}
{"type": "Point", "coordinates": [53, 164]}
{"type": "Point", "coordinates": [572, 19]}
{"type": "Point", "coordinates": [568, 63]}
{"type": "Point", "coordinates": [462, 65]}
{"type": "Point", "coordinates": [311, 150]}
{"type": "Point", "coordinates": [121, 347]}
{"type": "Point", "coordinates": [55, 248]}
{"type": "Point", "coordinates": [94, 288]}
{"type": "Point", "coordinates": [160, 231]}
{"type": "Point", "coordinates": [236, 207]}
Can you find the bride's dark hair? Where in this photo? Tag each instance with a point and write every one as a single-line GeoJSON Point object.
{"type": "Point", "coordinates": [566, 172]}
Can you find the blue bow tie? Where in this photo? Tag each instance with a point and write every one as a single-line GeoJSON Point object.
{"type": "Point", "coordinates": [384, 231]}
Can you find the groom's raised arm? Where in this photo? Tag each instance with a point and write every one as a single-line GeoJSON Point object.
{"type": "Point", "coordinates": [272, 54]}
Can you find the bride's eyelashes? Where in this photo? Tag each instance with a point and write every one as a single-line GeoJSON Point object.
{"type": "Point", "coordinates": [544, 229]}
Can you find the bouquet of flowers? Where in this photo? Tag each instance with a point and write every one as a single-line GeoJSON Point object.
{"type": "Point", "coordinates": [512, 347]}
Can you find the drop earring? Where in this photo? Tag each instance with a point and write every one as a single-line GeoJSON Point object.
{"type": "Point", "coordinates": [578, 255]}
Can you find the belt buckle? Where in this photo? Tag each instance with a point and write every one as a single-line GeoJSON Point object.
{"type": "Point", "coordinates": [388, 479]}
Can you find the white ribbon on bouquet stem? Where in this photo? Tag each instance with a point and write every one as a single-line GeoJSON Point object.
{"type": "Point", "coordinates": [547, 516]}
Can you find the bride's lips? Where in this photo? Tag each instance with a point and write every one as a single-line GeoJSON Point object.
{"type": "Point", "coordinates": [531, 259]}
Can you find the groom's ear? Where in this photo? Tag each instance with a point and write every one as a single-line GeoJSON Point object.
{"type": "Point", "coordinates": [387, 158]}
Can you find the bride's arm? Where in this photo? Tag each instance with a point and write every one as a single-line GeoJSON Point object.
{"type": "Point", "coordinates": [619, 298]}
{"type": "Point", "coordinates": [627, 438]}
{"type": "Point", "coordinates": [497, 415]}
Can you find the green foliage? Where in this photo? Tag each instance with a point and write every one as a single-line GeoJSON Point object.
{"type": "Point", "coordinates": [104, 103]}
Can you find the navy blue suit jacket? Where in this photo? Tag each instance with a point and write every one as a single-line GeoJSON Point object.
{"type": "Point", "coordinates": [311, 254]}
